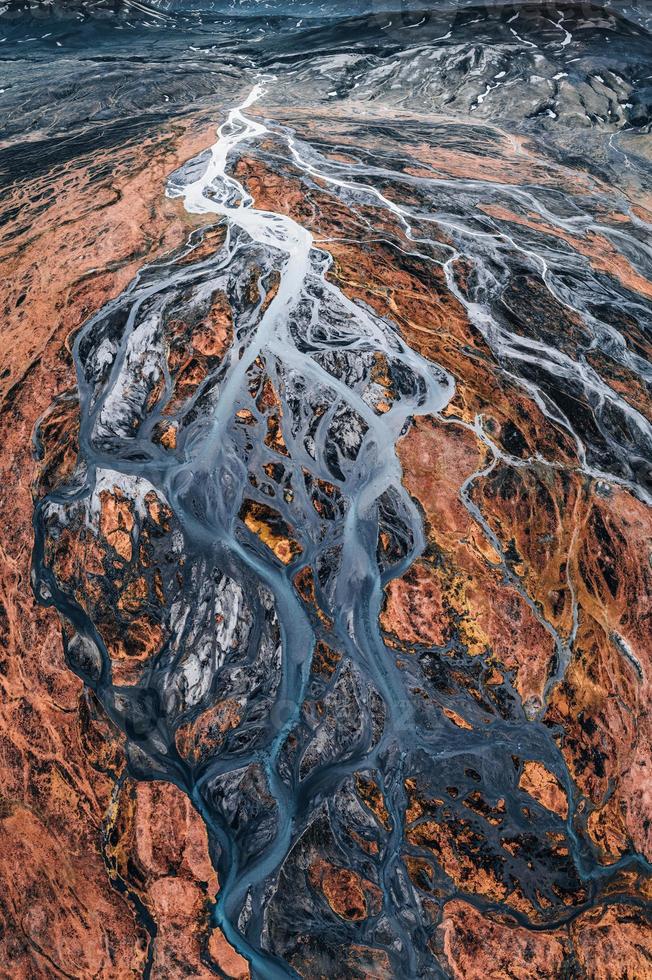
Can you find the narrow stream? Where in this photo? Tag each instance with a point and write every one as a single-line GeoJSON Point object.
{"type": "Point", "coordinates": [299, 365]}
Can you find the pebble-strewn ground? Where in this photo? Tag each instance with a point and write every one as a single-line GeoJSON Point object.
{"type": "Point", "coordinates": [326, 481]}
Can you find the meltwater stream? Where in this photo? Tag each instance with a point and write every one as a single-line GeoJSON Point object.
{"type": "Point", "coordinates": [209, 455]}
{"type": "Point", "coordinates": [241, 490]}
{"type": "Point", "coordinates": [120, 362]}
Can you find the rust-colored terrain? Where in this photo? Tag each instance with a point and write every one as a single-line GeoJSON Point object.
{"type": "Point", "coordinates": [93, 865]}
{"type": "Point", "coordinates": [554, 557]}
{"type": "Point", "coordinates": [325, 504]}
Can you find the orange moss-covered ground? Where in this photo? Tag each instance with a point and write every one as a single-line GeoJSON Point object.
{"type": "Point", "coordinates": [568, 538]}
{"type": "Point", "coordinates": [60, 914]}
{"type": "Point", "coordinates": [70, 836]}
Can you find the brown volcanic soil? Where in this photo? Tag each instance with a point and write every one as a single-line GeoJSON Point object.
{"type": "Point", "coordinates": [558, 525]}
{"type": "Point", "coordinates": [64, 827]}
{"type": "Point", "coordinates": [601, 944]}
{"type": "Point", "coordinates": [78, 237]}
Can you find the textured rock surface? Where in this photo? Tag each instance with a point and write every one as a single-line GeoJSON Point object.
{"type": "Point", "coordinates": [61, 756]}
{"type": "Point", "coordinates": [330, 446]}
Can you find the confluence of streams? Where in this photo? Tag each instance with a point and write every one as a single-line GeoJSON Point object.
{"type": "Point", "coordinates": [120, 362]}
